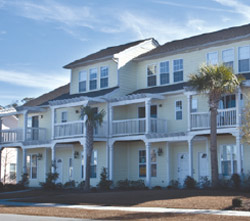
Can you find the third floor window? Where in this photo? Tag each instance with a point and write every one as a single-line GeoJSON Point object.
{"type": "Point", "coordinates": [212, 58]}
{"type": "Point", "coordinates": [93, 79]}
{"type": "Point", "coordinates": [244, 59]}
{"type": "Point", "coordinates": [82, 81]}
{"type": "Point", "coordinates": [104, 77]}
{"type": "Point", "coordinates": [228, 57]}
{"type": "Point", "coordinates": [164, 72]}
{"type": "Point", "coordinates": [151, 73]}
{"type": "Point", "coordinates": [178, 70]}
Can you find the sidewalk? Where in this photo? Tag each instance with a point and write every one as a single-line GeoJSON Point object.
{"type": "Point", "coordinates": [132, 209]}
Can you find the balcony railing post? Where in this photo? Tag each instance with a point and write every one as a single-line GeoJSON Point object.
{"type": "Point", "coordinates": [147, 114]}
{"type": "Point", "coordinates": [25, 122]}
{"type": "Point", "coordinates": [189, 111]}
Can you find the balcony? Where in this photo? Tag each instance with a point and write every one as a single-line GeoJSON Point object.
{"type": "Point", "coordinates": [11, 136]}
{"type": "Point", "coordinates": [131, 127]}
{"type": "Point", "coordinates": [225, 118]}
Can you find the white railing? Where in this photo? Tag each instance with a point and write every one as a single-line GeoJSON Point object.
{"type": "Point", "coordinates": [158, 125]}
{"type": "Point", "coordinates": [101, 131]}
{"type": "Point", "coordinates": [69, 129]}
{"type": "Point", "coordinates": [225, 118]}
{"type": "Point", "coordinates": [129, 127]}
{"type": "Point", "coordinates": [36, 134]}
{"type": "Point", "coordinates": [11, 136]}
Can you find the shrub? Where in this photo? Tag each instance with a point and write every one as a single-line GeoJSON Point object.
{"type": "Point", "coordinates": [173, 184]}
{"type": "Point", "coordinates": [50, 183]}
{"type": "Point", "coordinates": [190, 183]}
{"type": "Point", "coordinates": [236, 181]}
{"type": "Point", "coordinates": [236, 202]}
{"type": "Point", "coordinates": [205, 182]}
{"type": "Point", "coordinates": [123, 184]}
{"type": "Point", "coordinates": [81, 185]}
{"type": "Point", "coordinates": [132, 185]}
{"type": "Point", "coordinates": [25, 180]}
{"type": "Point", "coordinates": [1, 186]}
{"type": "Point", "coordinates": [224, 183]}
{"type": "Point", "coordinates": [157, 188]}
{"type": "Point", "coordinates": [93, 189]}
{"type": "Point", "coordinates": [104, 183]}
{"type": "Point", "coordinates": [69, 185]}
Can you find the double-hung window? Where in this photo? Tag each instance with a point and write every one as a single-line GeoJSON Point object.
{"type": "Point", "coordinates": [153, 155]}
{"type": "Point", "coordinates": [164, 72]}
{"type": "Point", "coordinates": [151, 74]}
{"type": "Point", "coordinates": [212, 58]}
{"type": "Point", "coordinates": [244, 59]}
{"type": "Point", "coordinates": [64, 117]}
{"type": "Point", "coordinates": [194, 105]}
{"type": "Point", "coordinates": [31, 161]}
{"type": "Point", "coordinates": [12, 171]}
{"type": "Point", "coordinates": [142, 163]}
{"type": "Point", "coordinates": [228, 160]}
{"type": "Point", "coordinates": [178, 70]}
{"type": "Point", "coordinates": [104, 77]}
{"type": "Point", "coordinates": [82, 81]}
{"type": "Point", "coordinates": [92, 78]}
{"type": "Point", "coordinates": [178, 110]}
{"type": "Point", "coordinates": [93, 165]}
{"type": "Point", "coordinates": [227, 101]}
{"type": "Point", "coordinates": [228, 58]}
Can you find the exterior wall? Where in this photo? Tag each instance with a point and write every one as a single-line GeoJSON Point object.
{"type": "Point", "coordinates": [9, 122]}
{"type": "Point", "coordinates": [113, 80]}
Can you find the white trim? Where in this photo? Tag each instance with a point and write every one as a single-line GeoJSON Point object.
{"type": "Point", "coordinates": [179, 110]}
{"type": "Point", "coordinates": [156, 74]}
{"type": "Point", "coordinates": [238, 71]}
{"type": "Point", "coordinates": [179, 70]}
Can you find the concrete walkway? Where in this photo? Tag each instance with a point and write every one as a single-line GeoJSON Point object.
{"type": "Point", "coordinates": [132, 209]}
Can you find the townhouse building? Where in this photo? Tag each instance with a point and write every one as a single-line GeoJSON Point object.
{"type": "Point", "coordinates": [155, 128]}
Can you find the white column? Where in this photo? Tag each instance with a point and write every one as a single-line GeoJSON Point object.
{"type": "Point", "coordinates": [24, 161]}
{"type": "Point", "coordinates": [148, 164]}
{"type": "Point", "coordinates": [45, 155]}
{"type": "Point", "coordinates": [190, 158]}
{"type": "Point", "coordinates": [111, 113]}
{"type": "Point", "coordinates": [53, 158]}
{"type": "Point", "coordinates": [238, 108]}
{"type": "Point", "coordinates": [111, 161]}
{"type": "Point", "coordinates": [25, 122]}
{"type": "Point", "coordinates": [52, 123]}
{"type": "Point", "coordinates": [189, 111]}
{"type": "Point", "coordinates": [168, 162]}
{"type": "Point", "coordinates": [0, 131]}
{"type": "Point", "coordinates": [238, 151]}
{"type": "Point", "coordinates": [147, 114]}
{"type": "Point", "coordinates": [17, 165]}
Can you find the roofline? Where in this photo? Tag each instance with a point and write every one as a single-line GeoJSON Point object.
{"type": "Point", "coordinates": [191, 48]}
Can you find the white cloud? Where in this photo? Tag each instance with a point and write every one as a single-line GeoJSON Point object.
{"type": "Point", "coordinates": [3, 32]}
{"type": "Point", "coordinates": [34, 80]}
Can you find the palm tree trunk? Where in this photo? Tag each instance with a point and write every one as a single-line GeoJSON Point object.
{"type": "Point", "coordinates": [213, 147]}
{"type": "Point", "coordinates": [89, 147]}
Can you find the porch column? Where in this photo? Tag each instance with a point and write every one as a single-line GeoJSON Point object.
{"type": "Point", "coordinates": [111, 113]}
{"type": "Point", "coordinates": [84, 148]}
{"type": "Point", "coordinates": [238, 108]}
{"type": "Point", "coordinates": [168, 162]}
{"type": "Point", "coordinates": [25, 122]}
{"type": "Point", "coordinates": [190, 158]}
{"type": "Point", "coordinates": [111, 161]}
{"type": "Point", "coordinates": [0, 131]}
{"type": "Point", "coordinates": [17, 165]}
{"type": "Point", "coordinates": [238, 152]}
{"type": "Point", "coordinates": [148, 164]}
{"type": "Point", "coordinates": [189, 101]}
{"type": "Point", "coordinates": [24, 160]}
{"type": "Point", "coordinates": [52, 123]}
{"type": "Point", "coordinates": [107, 157]}
{"type": "Point", "coordinates": [1, 163]}
{"type": "Point", "coordinates": [53, 158]}
{"type": "Point", "coordinates": [147, 114]}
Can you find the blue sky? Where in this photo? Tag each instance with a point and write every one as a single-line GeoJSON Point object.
{"type": "Point", "coordinates": [38, 37]}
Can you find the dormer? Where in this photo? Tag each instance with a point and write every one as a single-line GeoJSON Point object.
{"type": "Point", "coordinates": [107, 68]}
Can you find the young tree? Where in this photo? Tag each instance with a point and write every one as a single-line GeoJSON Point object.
{"type": "Point", "coordinates": [214, 81]}
{"type": "Point", "coordinates": [92, 120]}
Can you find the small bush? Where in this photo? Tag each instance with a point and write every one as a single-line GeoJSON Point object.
{"type": "Point", "coordinates": [104, 183]}
{"type": "Point", "coordinates": [236, 202]}
{"type": "Point", "coordinates": [157, 188]}
{"type": "Point", "coordinates": [1, 187]}
{"type": "Point", "coordinates": [69, 185]}
{"type": "Point", "coordinates": [123, 184]}
{"type": "Point", "coordinates": [190, 183]}
{"type": "Point", "coordinates": [130, 184]}
{"type": "Point", "coordinates": [236, 181]}
{"type": "Point", "coordinates": [50, 183]}
{"type": "Point", "coordinates": [81, 185]}
{"type": "Point", "coordinates": [205, 182]}
{"type": "Point", "coordinates": [173, 184]}
{"type": "Point", "coordinates": [25, 180]}
{"type": "Point", "coordinates": [224, 183]}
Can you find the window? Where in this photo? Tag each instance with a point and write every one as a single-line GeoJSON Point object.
{"type": "Point", "coordinates": [228, 160]}
{"type": "Point", "coordinates": [142, 163]}
{"type": "Point", "coordinates": [212, 58]}
{"type": "Point", "coordinates": [151, 73]}
{"type": "Point", "coordinates": [31, 161]}
{"type": "Point", "coordinates": [64, 117]}
{"type": "Point", "coordinates": [244, 59]}
{"type": "Point", "coordinates": [93, 79]}
{"type": "Point", "coordinates": [178, 110]}
{"type": "Point", "coordinates": [164, 72]}
{"type": "Point", "coordinates": [104, 77]}
{"type": "Point", "coordinates": [70, 168]}
{"type": "Point", "coordinates": [82, 81]}
{"type": "Point", "coordinates": [194, 105]}
{"type": "Point", "coordinates": [93, 164]}
{"type": "Point", "coordinates": [12, 171]}
{"type": "Point", "coordinates": [178, 70]}
{"type": "Point", "coordinates": [228, 58]}
{"type": "Point", "coordinates": [227, 101]}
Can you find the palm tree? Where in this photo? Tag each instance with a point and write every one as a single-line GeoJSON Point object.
{"type": "Point", "coordinates": [214, 81]}
{"type": "Point", "coordinates": [92, 120]}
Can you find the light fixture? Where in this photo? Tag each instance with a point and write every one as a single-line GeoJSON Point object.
{"type": "Point", "coordinates": [160, 151]}
{"type": "Point", "coordinates": [76, 154]}
{"type": "Point", "coordinates": [39, 156]}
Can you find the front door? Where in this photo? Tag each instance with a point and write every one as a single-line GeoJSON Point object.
{"type": "Point", "coordinates": [203, 165]}
{"type": "Point", "coordinates": [182, 167]}
{"type": "Point", "coordinates": [59, 166]}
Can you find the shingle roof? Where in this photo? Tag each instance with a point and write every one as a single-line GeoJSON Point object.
{"type": "Point", "coordinates": [198, 41]}
{"type": "Point", "coordinates": [104, 53]}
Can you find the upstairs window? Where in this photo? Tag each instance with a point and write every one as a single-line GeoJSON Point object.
{"type": "Point", "coordinates": [164, 72]}
{"type": "Point", "coordinates": [178, 110]}
{"type": "Point", "coordinates": [178, 70]}
{"type": "Point", "coordinates": [82, 81]}
{"type": "Point", "coordinates": [104, 77]}
{"type": "Point", "coordinates": [194, 105]}
{"type": "Point", "coordinates": [244, 59]}
{"type": "Point", "coordinates": [228, 58]}
{"type": "Point", "coordinates": [151, 73]}
{"type": "Point", "coordinates": [64, 117]}
{"type": "Point", "coordinates": [228, 101]}
{"type": "Point", "coordinates": [212, 58]}
{"type": "Point", "coordinates": [93, 79]}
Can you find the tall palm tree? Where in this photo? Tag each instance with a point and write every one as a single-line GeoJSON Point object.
{"type": "Point", "coordinates": [214, 81]}
{"type": "Point", "coordinates": [93, 119]}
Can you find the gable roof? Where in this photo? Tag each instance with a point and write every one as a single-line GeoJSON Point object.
{"type": "Point", "coordinates": [198, 41]}
{"type": "Point", "coordinates": [105, 53]}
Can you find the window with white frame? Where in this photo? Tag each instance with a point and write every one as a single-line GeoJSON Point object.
{"type": "Point", "coordinates": [92, 78]}
{"type": "Point", "coordinates": [64, 117]}
{"type": "Point", "coordinates": [212, 58]}
{"type": "Point", "coordinates": [164, 72]}
{"type": "Point", "coordinates": [178, 70]}
{"type": "Point", "coordinates": [104, 77]}
{"type": "Point", "coordinates": [227, 101]}
{"type": "Point", "coordinates": [244, 59]}
{"type": "Point", "coordinates": [70, 168]}
{"type": "Point", "coordinates": [12, 171]}
{"type": "Point", "coordinates": [151, 74]}
{"type": "Point", "coordinates": [93, 166]}
{"type": "Point", "coordinates": [142, 163]}
{"type": "Point", "coordinates": [178, 110]}
{"type": "Point", "coordinates": [194, 105]}
{"type": "Point", "coordinates": [82, 81]}
{"type": "Point", "coordinates": [31, 165]}
{"type": "Point", "coordinates": [228, 57]}
{"type": "Point", "coordinates": [228, 160]}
